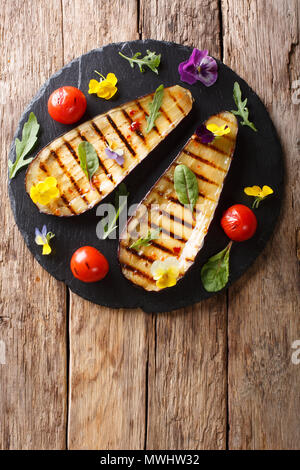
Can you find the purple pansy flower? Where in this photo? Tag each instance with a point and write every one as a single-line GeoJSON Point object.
{"type": "Point", "coordinates": [117, 155]}
{"type": "Point", "coordinates": [200, 66]}
{"type": "Point", "coordinates": [204, 134]}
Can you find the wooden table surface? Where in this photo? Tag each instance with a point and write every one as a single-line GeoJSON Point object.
{"type": "Point", "coordinates": [217, 375]}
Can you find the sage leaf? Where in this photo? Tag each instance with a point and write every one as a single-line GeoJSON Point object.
{"type": "Point", "coordinates": [146, 241]}
{"type": "Point", "coordinates": [215, 273]}
{"type": "Point", "coordinates": [186, 186]}
{"type": "Point", "coordinates": [154, 108]}
{"type": "Point", "coordinates": [88, 157]}
{"type": "Point", "coordinates": [24, 146]}
{"type": "Point", "coordinates": [242, 110]}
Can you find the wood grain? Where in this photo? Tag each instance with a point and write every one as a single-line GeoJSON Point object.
{"type": "Point", "coordinates": [264, 306]}
{"type": "Point", "coordinates": [32, 309]}
{"type": "Point", "coordinates": [107, 347]}
{"type": "Point", "coordinates": [187, 348]}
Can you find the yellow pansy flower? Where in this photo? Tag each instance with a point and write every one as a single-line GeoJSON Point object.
{"type": "Point", "coordinates": [44, 191]}
{"type": "Point", "coordinates": [106, 87]}
{"type": "Point", "coordinates": [258, 193]}
{"type": "Point", "coordinates": [218, 131]}
{"type": "Point", "coordinates": [166, 272]}
{"type": "Point", "coordinates": [43, 238]}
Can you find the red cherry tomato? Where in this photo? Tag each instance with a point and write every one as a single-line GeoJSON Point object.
{"type": "Point", "coordinates": [239, 223]}
{"type": "Point", "coordinates": [67, 105]}
{"type": "Point", "coordinates": [88, 264]}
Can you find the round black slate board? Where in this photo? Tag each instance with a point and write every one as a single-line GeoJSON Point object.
{"type": "Point", "coordinates": [258, 160]}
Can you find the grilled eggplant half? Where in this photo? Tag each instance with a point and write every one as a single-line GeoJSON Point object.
{"type": "Point", "coordinates": [60, 158]}
{"type": "Point", "coordinates": [180, 232]}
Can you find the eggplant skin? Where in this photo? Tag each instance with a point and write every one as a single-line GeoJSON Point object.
{"type": "Point", "coordinates": [60, 157]}
{"type": "Point", "coordinates": [182, 232]}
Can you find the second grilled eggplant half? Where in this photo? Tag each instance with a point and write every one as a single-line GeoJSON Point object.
{"type": "Point", "coordinates": [182, 232]}
{"type": "Point", "coordinates": [60, 158]}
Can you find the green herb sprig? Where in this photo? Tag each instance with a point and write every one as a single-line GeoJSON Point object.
{"type": "Point", "coordinates": [186, 186]}
{"type": "Point", "coordinates": [151, 60]}
{"type": "Point", "coordinates": [146, 241]}
{"type": "Point", "coordinates": [154, 107]}
{"type": "Point", "coordinates": [242, 110]}
{"type": "Point", "coordinates": [112, 224]}
{"type": "Point", "coordinates": [24, 146]}
{"type": "Point", "coordinates": [89, 160]}
{"type": "Point", "coordinates": [215, 273]}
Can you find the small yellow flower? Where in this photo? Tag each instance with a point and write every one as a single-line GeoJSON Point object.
{"type": "Point", "coordinates": [166, 272]}
{"type": "Point", "coordinates": [93, 86]}
{"type": "Point", "coordinates": [218, 131]}
{"type": "Point", "coordinates": [258, 193]}
{"type": "Point", "coordinates": [44, 191]}
{"type": "Point", "coordinates": [106, 88]}
{"type": "Point", "coordinates": [43, 238]}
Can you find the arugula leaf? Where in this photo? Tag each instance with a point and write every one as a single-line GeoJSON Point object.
{"type": "Point", "coordinates": [111, 226]}
{"type": "Point", "coordinates": [215, 273]}
{"type": "Point", "coordinates": [154, 108]}
{"type": "Point", "coordinates": [147, 240]}
{"type": "Point", "coordinates": [23, 147]}
{"type": "Point", "coordinates": [186, 186]}
{"type": "Point", "coordinates": [151, 60]}
{"type": "Point", "coordinates": [241, 105]}
{"type": "Point", "coordinates": [89, 160]}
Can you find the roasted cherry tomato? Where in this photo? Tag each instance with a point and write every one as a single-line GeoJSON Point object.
{"type": "Point", "coordinates": [239, 223]}
{"type": "Point", "coordinates": [88, 264]}
{"type": "Point", "coordinates": [67, 105]}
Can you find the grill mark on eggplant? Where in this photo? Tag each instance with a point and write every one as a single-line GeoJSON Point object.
{"type": "Point", "coordinates": [74, 183]}
{"type": "Point", "coordinates": [164, 248]}
{"type": "Point", "coordinates": [169, 233]}
{"type": "Point", "coordinates": [107, 173]}
{"type": "Point", "coordinates": [137, 131]}
{"type": "Point", "coordinates": [173, 217]}
{"type": "Point", "coordinates": [121, 136]}
{"type": "Point", "coordinates": [76, 157]}
{"type": "Point", "coordinates": [138, 254]}
{"type": "Point", "coordinates": [212, 147]}
{"type": "Point", "coordinates": [43, 168]}
{"type": "Point", "coordinates": [147, 114]}
{"type": "Point", "coordinates": [176, 102]}
{"type": "Point", "coordinates": [203, 160]}
{"type": "Point", "coordinates": [136, 271]}
{"type": "Point", "coordinates": [99, 132]}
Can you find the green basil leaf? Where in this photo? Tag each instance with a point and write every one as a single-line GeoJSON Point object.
{"type": "Point", "coordinates": [186, 186]}
{"type": "Point", "coordinates": [147, 240]}
{"type": "Point", "coordinates": [242, 110]}
{"type": "Point", "coordinates": [154, 108]}
{"type": "Point", "coordinates": [24, 146]}
{"type": "Point", "coordinates": [88, 157]}
{"type": "Point", "coordinates": [215, 273]}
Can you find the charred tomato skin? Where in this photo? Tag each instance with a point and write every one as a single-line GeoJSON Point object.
{"type": "Point", "coordinates": [239, 223]}
{"type": "Point", "coordinates": [88, 264]}
{"type": "Point", "coordinates": [67, 105]}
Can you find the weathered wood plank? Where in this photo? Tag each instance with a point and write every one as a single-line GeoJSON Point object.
{"type": "Point", "coordinates": [261, 42]}
{"type": "Point", "coordinates": [108, 348]}
{"type": "Point", "coordinates": [32, 309]}
{"type": "Point", "coordinates": [187, 359]}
